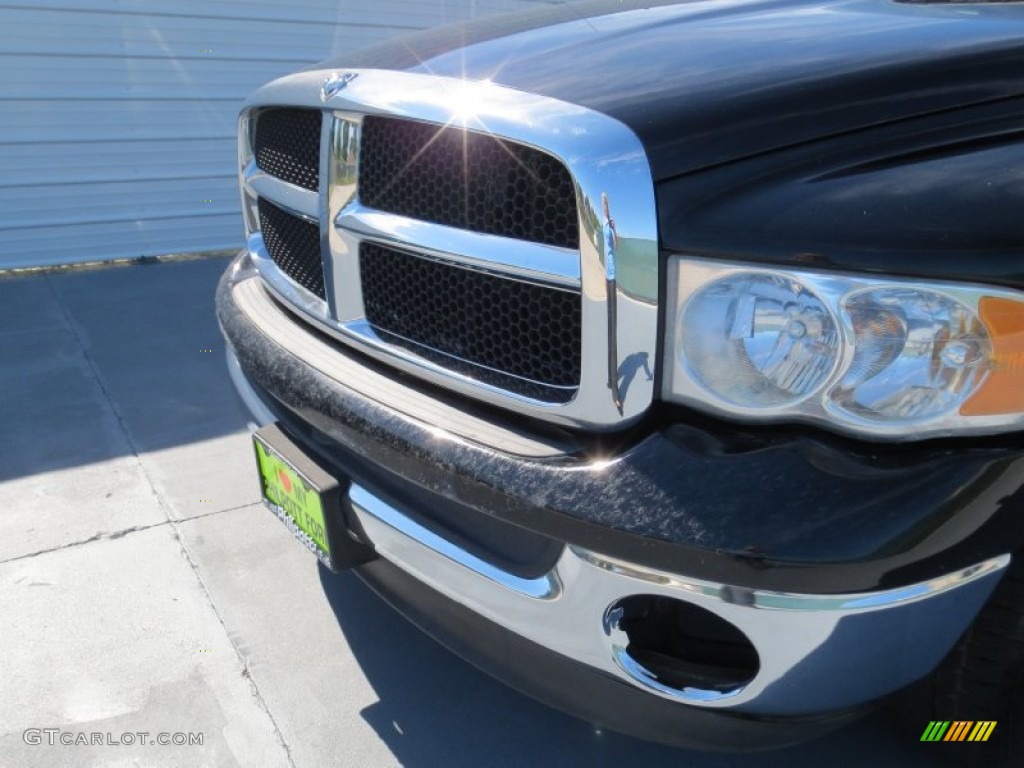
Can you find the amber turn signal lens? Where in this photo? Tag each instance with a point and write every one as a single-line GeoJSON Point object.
{"type": "Point", "coordinates": [1003, 390]}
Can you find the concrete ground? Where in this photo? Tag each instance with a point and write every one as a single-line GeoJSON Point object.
{"type": "Point", "coordinates": [143, 588]}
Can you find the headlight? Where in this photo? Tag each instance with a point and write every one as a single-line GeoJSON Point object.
{"type": "Point", "coordinates": [896, 359]}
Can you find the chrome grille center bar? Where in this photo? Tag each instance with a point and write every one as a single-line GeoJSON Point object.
{"type": "Point", "coordinates": [531, 261]}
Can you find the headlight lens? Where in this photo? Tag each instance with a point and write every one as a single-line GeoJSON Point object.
{"type": "Point", "coordinates": [917, 355]}
{"type": "Point", "coordinates": [764, 340]}
{"type": "Point", "coordinates": [886, 358]}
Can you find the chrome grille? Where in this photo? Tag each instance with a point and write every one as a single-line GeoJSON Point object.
{"type": "Point", "coordinates": [465, 179]}
{"type": "Point", "coordinates": [459, 229]}
{"type": "Point", "coordinates": [521, 336]}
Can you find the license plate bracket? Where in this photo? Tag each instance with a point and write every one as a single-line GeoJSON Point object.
{"type": "Point", "coordinates": [306, 498]}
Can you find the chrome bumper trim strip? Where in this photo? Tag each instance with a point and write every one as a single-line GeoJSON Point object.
{"type": "Point", "coordinates": [420, 550]}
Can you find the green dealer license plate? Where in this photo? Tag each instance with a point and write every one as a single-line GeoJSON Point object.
{"type": "Point", "coordinates": [296, 489]}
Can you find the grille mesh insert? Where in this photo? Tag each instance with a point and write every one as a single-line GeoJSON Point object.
{"type": "Point", "coordinates": [294, 245]}
{"type": "Point", "coordinates": [526, 335]}
{"type": "Point", "coordinates": [468, 180]}
{"type": "Point", "coordinates": [286, 144]}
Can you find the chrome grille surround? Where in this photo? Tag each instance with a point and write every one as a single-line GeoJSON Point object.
{"type": "Point", "coordinates": [602, 156]}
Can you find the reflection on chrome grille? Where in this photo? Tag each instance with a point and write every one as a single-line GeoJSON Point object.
{"type": "Point", "coordinates": [286, 144]}
{"type": "Point", "coordinates": [447, 175]}
{"type": "Point", "coordinates": [509, 333]}
{"type": "Point", "coordinates": [294, 245]}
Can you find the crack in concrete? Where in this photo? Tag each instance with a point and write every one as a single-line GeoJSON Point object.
{"type": "Point", "coordinates": [112, 535]}
{"type": "Point", "coordinates": [246, 505]}
{"type": "Point", "coordinates": [106, 536]}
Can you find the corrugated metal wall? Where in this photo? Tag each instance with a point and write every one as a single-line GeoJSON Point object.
{"type": "Point", "coordinates": [117, 117]}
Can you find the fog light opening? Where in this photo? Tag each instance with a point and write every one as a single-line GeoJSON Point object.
{"type": "Point", "coordinates": [681, 647]}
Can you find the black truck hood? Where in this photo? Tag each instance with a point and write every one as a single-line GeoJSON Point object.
{"type": "Point", "coordinates": [702, 83]}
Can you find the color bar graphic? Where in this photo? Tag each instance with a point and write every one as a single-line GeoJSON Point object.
{"type": "Point", "coordinates": [958, 730]}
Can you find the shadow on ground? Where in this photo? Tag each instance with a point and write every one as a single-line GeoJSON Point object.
{"type": "Point", "coordinates": [73, 344]}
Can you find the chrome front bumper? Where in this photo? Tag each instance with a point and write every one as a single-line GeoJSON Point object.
{"type": "Point", "coordinates": [817, 652]}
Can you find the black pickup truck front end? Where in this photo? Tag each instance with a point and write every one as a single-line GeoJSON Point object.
{"type": "Point", "coordinates": [623, 407]}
